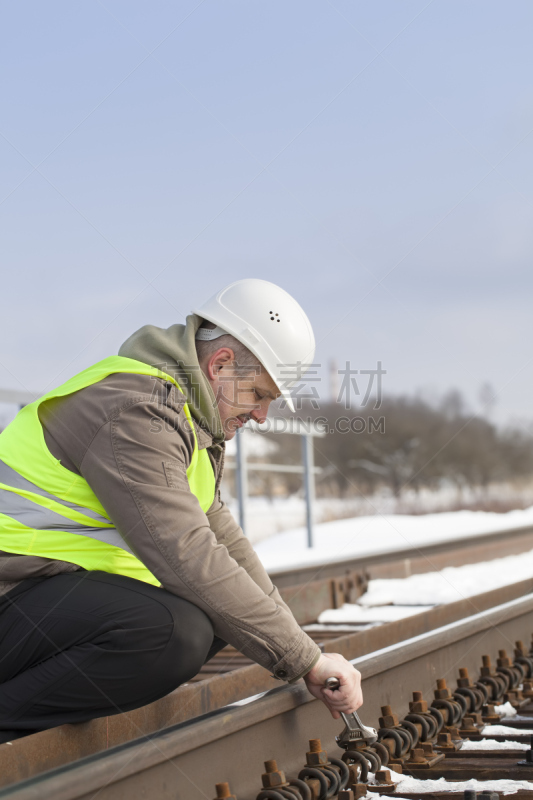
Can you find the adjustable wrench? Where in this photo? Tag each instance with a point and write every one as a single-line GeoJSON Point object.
{"type": "Point", "coordinates": [354, 730]}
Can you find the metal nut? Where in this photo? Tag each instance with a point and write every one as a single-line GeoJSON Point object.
{"type": "Point", "coordinates": [273, 776]}
{"type": "Point", "coordinates": [388, 720]}
{"type": "Point", "coordinates": [418, 705]}
{"type": "Point", "coordinates": [316, 759]}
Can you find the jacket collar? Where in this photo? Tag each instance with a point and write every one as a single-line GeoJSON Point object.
{"type": "Point", "coordinates": [174, 351]}
{"type": "Point", "coordinates": [203, 437]}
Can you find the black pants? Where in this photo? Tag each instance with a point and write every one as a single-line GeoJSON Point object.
{"type": "Point", "coordinates": [91, 644]}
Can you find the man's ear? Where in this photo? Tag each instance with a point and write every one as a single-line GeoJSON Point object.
{"type": "Point", "coordinates": [220, 359]}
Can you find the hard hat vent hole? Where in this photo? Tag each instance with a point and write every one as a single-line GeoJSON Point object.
{"type": "Point", "coordinates": [274, 316]}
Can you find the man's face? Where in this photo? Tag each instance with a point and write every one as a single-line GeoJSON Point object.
{"type": "Point", "coordinates": [241, 393]}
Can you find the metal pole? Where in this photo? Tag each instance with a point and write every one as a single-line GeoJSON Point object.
{"type": "Point", "coordinates": [241, 477]}
{"type": "Point", "coordinates": [309, 483]}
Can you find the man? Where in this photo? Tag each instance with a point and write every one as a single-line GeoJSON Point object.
{"type": "Point", "coordinates": [121, 571]}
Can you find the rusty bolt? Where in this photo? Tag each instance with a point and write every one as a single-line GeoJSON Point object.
{"type": "Point", "coordinates": [345, 794]}
{"type": "Point", "coordinates": [486, 669]}
{"type": "Point", "coordinates": [223, 792]}
{"type": "Point", "coordinates": [383, 776]}
{"type": "Point", "coordinates": [463, 683]}
{"type": "Point", "coordinates": [444, 738]}
{"type": "Point", "coordinates": [388, 720]}
{"type": "Point", "coordinates": [418, 704]}
{"type": "Point", "coordinates": [464, 678]}
{"type": "Point", "coordinates": [316, 756]}
{"type": "Point", "coordinates": [272, 776]}
{"type": "Point", "coordinates": [442, 692]}
{"type": "Point", "coordinates": [503, 659]}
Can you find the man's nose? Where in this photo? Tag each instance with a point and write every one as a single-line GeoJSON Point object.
{"type": "Point", "coordinates": [259, 414]}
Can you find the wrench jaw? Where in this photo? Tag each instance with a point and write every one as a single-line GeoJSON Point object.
{"type": "Point", "coordinates": [355, 732]}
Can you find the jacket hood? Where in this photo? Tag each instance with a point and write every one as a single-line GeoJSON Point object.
{"type": "Point", "coordinates": [173, 351]}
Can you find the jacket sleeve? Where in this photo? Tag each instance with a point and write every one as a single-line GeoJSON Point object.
{"type": "Point", "coordinates": [136, 465]}
{"type": "Point", "coordinates": [229, 533]}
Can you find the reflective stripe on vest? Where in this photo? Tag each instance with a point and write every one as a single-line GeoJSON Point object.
{"type": "Point", "coordinates": [46, 510]}
{"type": "Point", "coordinates": [12, 479]}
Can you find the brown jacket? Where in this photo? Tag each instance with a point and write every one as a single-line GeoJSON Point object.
{"type": "Point", "coordinates": [126, 436]}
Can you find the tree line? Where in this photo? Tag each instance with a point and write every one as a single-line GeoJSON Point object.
{"type": "Point", "coordinates": [410, 443]}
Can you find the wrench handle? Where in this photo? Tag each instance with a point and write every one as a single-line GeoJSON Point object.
{"type": "Point", "coordinates": [332, 683]}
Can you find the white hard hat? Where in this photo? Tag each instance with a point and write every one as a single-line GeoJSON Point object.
{"type": "Point", "coordinates": [270, 323]}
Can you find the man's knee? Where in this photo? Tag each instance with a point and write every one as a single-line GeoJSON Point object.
{"type": "Point", "coordinates": [171, 636]}
{"type": "Point", "coordinates": [190, 642]}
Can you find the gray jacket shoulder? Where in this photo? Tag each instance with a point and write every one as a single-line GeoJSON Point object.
{"type": "Point", "coordinates": [70, 423]}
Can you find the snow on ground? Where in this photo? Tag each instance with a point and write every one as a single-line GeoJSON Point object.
{"type": "Point", "coordinates": [349, 628]}
{"type": "Point", "coordinates": [505, 710]}
{"type": "Point", "coordinates": [505, 730]}
{"type": "Point", "coordinates": [451, 583]}
{"type": "Point", "coordinates": [356, 613]}
{"type": "Point", "coordinates": [358, 536]}
{"type": "Point", "coordinates": [408, 784]}
{"type": "Point", "coordinates": [492, 744]}
{"type": "Point", "coordinates": [407, 596]}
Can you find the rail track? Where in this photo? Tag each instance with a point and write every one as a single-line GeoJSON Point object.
{"type": "Point", "coordinates": [200, 735]}
{"type": "Point", "coordinates": [230, 745]}
{"type": "Point", "coordinates": [310, 590]}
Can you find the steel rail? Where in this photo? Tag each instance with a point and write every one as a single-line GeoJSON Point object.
{"type": "Point", "coordinates": [186, 760]}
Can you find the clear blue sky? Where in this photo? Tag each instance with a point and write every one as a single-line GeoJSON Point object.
{"type": "Point", "coordinates": [374, 158]}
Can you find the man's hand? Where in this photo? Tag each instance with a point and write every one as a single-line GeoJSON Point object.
{"type": "Point", "coordinates": [348, 697]}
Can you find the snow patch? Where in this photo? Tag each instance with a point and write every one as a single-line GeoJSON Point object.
{"type": "Point", "coordinates": [492, 744]}
{"type": "Point", "coordinates": [356, 613]}
{"type": "Point", "coordinates": [388, 600]}
{"type": "Point", "coordinates": [451, 583]}
{"type": "Point", "coordinates": [363, 536]}
{"type": "Point", "coordinates": [505, 730]}
{"type": "Point", "coordinates": [406, 783]}
{"type": "Point", "coordinates": [505, 710]}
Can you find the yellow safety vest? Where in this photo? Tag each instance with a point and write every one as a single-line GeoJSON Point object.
{"type": "Point", "coordinates": [46, 510]}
